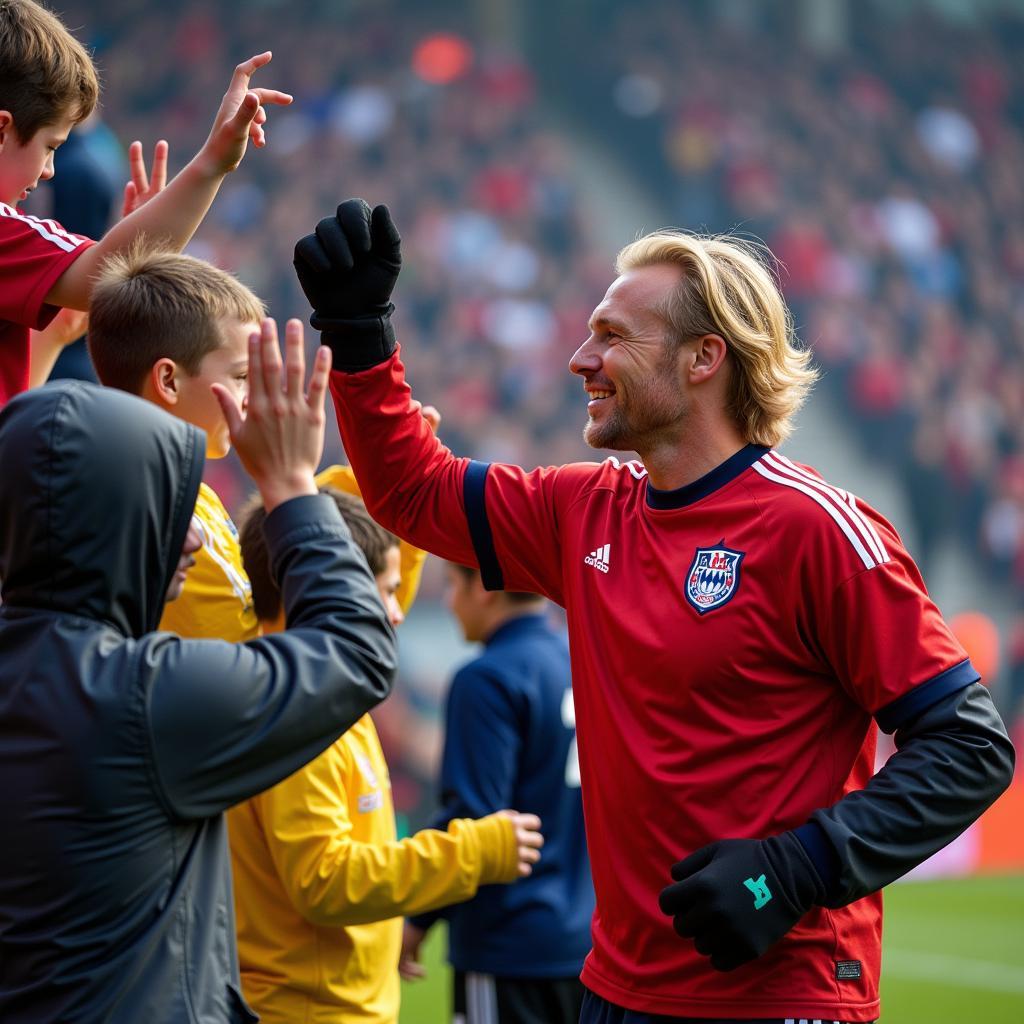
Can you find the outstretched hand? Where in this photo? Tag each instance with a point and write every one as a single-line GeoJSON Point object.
{"type": "Point", "coordinates": [241, 117]}
{"type": "Point", "coordinates": [141, 186]}
{"type": "Point", "coordinates": [278, 431]}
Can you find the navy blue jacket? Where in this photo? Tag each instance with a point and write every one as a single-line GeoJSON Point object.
{"type": "Point", "coordinates": [511, 742]}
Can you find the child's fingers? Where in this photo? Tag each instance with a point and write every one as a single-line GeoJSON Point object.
{"type": "Point", "coordinates": [294, 359]}
{"type": "Point", "coordinates": [270, 355]}
{"type": "Point", "coordinates": [319, 378]}
{"type": "Point", "coordinates": [230, 408]}
{"type": "Point", "coordinates": [159, 179]}
{"type": "Point", "coordinates": [244, 71]}
{"type": "Point", "coordinates": [275, 96]}
{"type": "Point", "coordinates": [130, 198]}
{"type": "Point", "coordinates": [257, 392]}
{"type": "Point", "coordinates": [432, 416]}
{"type": "Point", "coordinates": [244, 115]}
{"type": "Point", "coordinates": [137, 167]}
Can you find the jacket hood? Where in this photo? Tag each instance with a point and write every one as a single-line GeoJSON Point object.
{"type": "Point", "coordinates": [97, 488]}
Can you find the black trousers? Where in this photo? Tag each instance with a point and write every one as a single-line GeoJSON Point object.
{"type": "Point", "coordinates": [493, 999]}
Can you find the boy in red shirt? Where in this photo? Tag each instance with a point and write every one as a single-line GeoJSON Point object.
{"type": "Point", "coordinates": [49, 85]}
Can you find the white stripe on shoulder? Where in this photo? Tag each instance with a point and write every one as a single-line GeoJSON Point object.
{"type": "Point", "coordinates": [844, 499]}
{"type": "Point", "coordinates": [840, 519]}
{"type": "Point", "coordinates": [635, 467]}
{"type": "Point", "coordinates": [50, 229]}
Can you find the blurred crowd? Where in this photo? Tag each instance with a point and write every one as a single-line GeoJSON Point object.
{"type": "Point", "coordinates": [499, 269]}
{"type": "Point", "coordinates": [881, 160]}
{"type": "Point", "coordinates": [882, 164]}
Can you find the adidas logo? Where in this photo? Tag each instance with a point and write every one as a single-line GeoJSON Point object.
{"type": "Point", "coordinates": [599, 558]}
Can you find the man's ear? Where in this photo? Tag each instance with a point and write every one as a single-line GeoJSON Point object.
{"type": "Point", "coordinates": [163, 382]}
{"type": "Point", "coordinates": [706, 357]}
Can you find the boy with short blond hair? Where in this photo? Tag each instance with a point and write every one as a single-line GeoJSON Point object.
{"type": "Point", "coordinates": [165, 326]}
{"type": "Point", "coordinates": [47, 86]}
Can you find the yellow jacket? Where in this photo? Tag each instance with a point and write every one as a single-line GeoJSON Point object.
{"type": "Point", "coordinates": [216, 602]}
{"type": "Point", "coordinates": [321, 884]}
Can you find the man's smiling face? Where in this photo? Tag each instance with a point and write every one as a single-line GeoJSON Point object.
{"type": "Point", "coordinates": [629, 364]}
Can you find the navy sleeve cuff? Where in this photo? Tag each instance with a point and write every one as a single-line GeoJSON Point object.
{"type": "Point", "coordinates": [473, 487]}
{"type": "Point", "coordinates": [822, 855]}
{"type": "Point", "coordinates": [902, 710]}
{"type": "Point", "coordinates": [308, 515]}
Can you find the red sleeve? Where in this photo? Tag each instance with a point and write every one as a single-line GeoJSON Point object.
{"type": "Point", "coordinates": [33, 254]}
{"type": "Point", "coordinates": [497, 517]}
{"type": "Point", "coordinates": [882, 634]}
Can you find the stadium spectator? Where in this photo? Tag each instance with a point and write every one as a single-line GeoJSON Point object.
{"type": "Point", "coordinates": [49, 85]}
{"type": "Point", "coordinates": [510, 740]}
{"type": "Point", "coordinates": [321, 878]}
{"type": "Point", "coordinates": [120, 747]}
{"type": "Point", "coordinates": [714, 590]}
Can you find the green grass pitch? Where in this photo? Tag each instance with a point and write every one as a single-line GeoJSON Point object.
{"type": "Point", "coordinates": [954, 954]}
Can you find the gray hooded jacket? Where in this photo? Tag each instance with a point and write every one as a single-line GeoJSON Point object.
{"type": "Point", "coordinates": [120, 747]}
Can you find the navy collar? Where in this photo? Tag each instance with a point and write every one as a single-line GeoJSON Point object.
{"type": "Point", "coordinates": [513, 627]}
{"type": "Point", "coordinates": [708, 483]}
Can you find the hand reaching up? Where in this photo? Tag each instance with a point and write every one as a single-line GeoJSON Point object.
{"type": "Point", "coordinates": [279, 431]}
{"type": "Point", "coordinates": [240, 118]}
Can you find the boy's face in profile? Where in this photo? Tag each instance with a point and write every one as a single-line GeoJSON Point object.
{"type": "Point", "coordinates": [24, 165]}
{"type": "Point", "coordinates": [227, 365]}
{"type": "Point", "coordinates": [387, 582]}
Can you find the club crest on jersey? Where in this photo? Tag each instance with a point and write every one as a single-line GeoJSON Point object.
{"type": "Point", "coordinates": [713, 577]}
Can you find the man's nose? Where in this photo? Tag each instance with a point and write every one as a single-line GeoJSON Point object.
{"type": "Point", "coordinates": [586, 358]}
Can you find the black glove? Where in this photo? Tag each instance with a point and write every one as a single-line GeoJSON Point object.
{"type": "Point", "coordinates": [348, 268]}
{"type": "Point", "coordinates": [737, 897]}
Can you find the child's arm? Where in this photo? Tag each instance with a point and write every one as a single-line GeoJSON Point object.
{"type": "Point", "coordinates": [47, 344]}
{"type": "Point", "coordinates": [174, 214]}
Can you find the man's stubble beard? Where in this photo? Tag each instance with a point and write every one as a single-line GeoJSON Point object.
{"type": "Point", "coordinates": [618, 434]}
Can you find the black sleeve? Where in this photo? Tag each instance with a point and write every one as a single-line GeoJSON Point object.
{"type": "Point", "coordinates": [952, 761]}
{"type": "Point", "coordinates": [227, 721]}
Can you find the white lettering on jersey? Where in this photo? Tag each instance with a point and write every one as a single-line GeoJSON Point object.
{"type": "Point", "coordinates": [599, 558]}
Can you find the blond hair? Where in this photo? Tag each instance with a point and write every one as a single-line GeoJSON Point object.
{"type": "Point", "coordinates": [45, 73]}
{"type": "Point", "coordinates": [727, 290]}
{"type": "Point", "coordinates": [150, 303]}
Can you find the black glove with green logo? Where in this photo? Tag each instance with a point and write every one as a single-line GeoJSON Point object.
{"type": "Point", "coordinates": [737, 897]}
{"type": "Point", "coordinates": [348, 268]}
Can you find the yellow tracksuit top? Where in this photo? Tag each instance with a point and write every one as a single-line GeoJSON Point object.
{"type": "Point", "coordinates": [321, 883]}
{"type": "Point", "coordinates": [216, 602]}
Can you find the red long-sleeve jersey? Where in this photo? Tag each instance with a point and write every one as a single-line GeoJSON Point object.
{"type": "Point", "coordinates": [731, 643]}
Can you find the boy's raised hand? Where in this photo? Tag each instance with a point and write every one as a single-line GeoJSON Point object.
{"type": "Point", "coordinates": [278, 432]}
{"type": "Point", "coordinates": [240, 118]}
{"type": "Point", "coordinates": [141, 186]}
